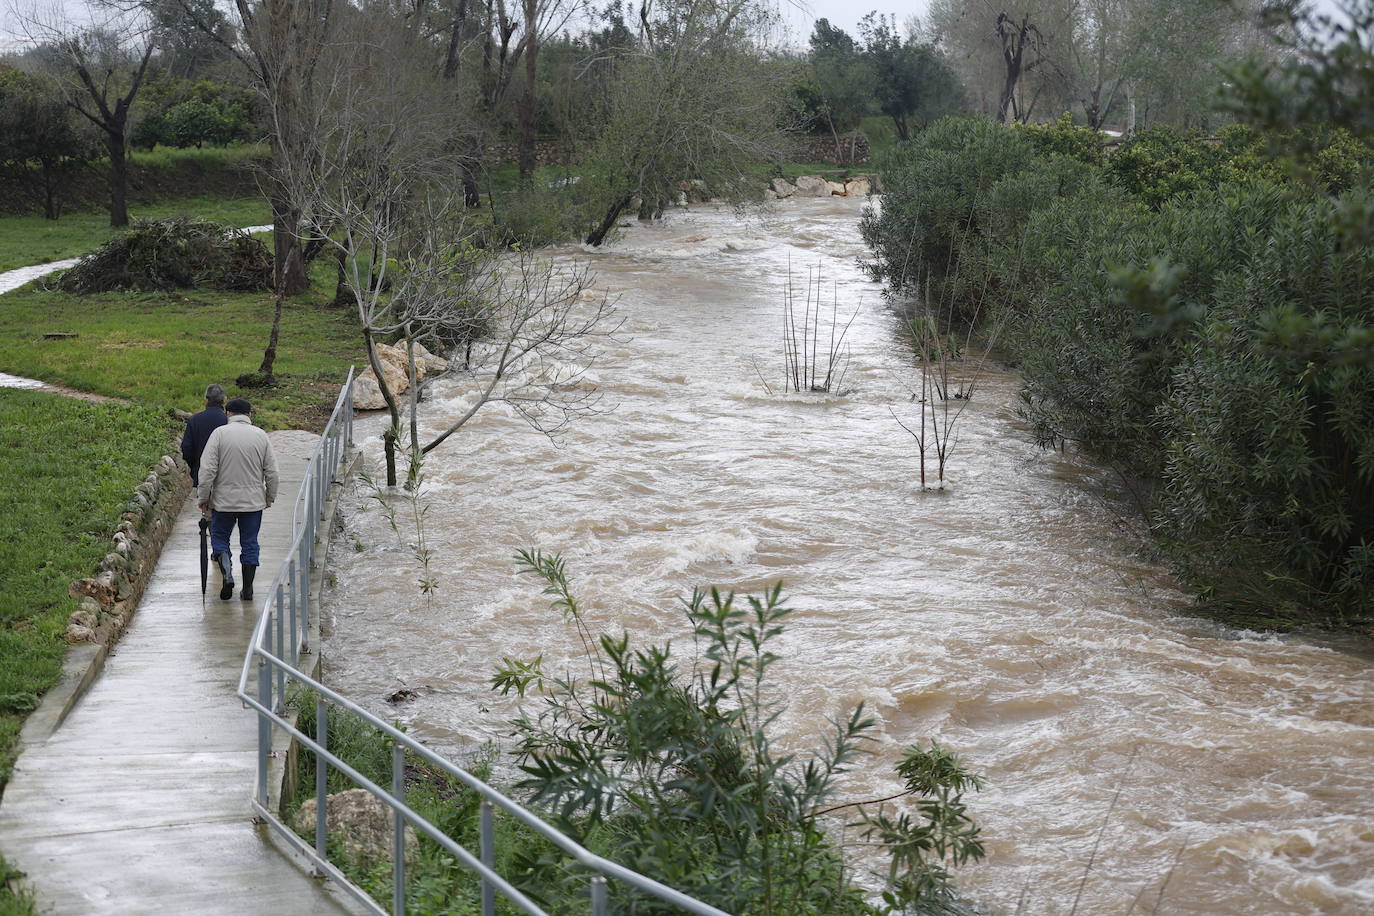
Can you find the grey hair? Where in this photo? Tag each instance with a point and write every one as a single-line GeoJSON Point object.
{"type": "Point", "coordinates": [214, 395]}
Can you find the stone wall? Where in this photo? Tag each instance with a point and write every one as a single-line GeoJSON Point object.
{"type": "Point", "coordinates": [108, 598]}
{"type": "Point", "coordinates": [853, 149]}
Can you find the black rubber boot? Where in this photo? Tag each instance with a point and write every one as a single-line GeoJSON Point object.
{"type": "Point", "coordinates": [248, 573]}
{"type": "Point", "coordinates": [226, 569]}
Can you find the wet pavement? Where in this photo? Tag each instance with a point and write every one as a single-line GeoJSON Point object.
{"type": "Point", "coordinates": [140, 801]}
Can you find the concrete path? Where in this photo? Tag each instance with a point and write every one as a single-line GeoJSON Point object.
{"type": "Point", "coordinates": [139, 802]}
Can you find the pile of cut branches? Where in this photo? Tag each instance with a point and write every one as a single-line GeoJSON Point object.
{"type": "Point", "coordinates": [181, 252]}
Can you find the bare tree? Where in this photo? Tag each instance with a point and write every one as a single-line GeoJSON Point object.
{"type": "Point", "coordinates": [99, 69]}
{"type": "Point", "coordinates": [378, 193]}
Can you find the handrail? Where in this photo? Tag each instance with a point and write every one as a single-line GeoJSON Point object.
{"type": "Point", "coordinates": [280, 639]}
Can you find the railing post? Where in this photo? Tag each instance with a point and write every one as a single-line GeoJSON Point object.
{"type": "Point", "coordinates": [321, 777]}
{"type": "Point", "coordinates": [398, 838]}
{"type": "Point", "coordinates": [487, 849]}
{"type": "Point", "coordinates": [295, 623]}
{"type": "Point", "coordinates": [303, 571]}
{"type": "Point", "coordinates": [281, 649]}
{"type": "Point", "coordinates": [598, 896]}
{"type": "Point", "coordinates": [264, 729]}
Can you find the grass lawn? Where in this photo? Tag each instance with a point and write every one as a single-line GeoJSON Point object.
{"type": "Point", "coordinates": [26, 240]}
{"type": "Point", "coordinates": [67, 471]}
{"type": "Point", "coordinates": [162, 349]}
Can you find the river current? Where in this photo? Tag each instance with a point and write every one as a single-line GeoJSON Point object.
{"type": "Point", "coordinates": [1137, 759]}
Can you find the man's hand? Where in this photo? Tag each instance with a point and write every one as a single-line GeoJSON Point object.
{"type": "Point", "coordinates": [269, 505]}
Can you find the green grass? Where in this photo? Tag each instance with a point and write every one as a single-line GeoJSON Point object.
{"type": "Point", "coordinates": [18, 902]}
{"type": "Point", "coordinates": [67, 470]}
{"type": "Point", "coordinates": [26, 240]}
{"type": "Point", "coordinates": [161, 349]}
{"type": "Point", "coordinates": [208, 157]}
{"type": "Point", "coordinates": [435, 881]}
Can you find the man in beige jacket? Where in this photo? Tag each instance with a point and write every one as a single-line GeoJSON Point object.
{"type": "Point", "coordinates": [238, 480]}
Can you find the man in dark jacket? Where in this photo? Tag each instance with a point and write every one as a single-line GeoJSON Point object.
{"type": "Point", "coordinates": [199, 428]}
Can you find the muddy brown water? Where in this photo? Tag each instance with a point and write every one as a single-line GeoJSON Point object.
{"type": "Point", "coordinates": [1011, 618]}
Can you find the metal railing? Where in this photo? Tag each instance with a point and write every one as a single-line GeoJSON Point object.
{"type": "Point", "coordinates": [272, 666]}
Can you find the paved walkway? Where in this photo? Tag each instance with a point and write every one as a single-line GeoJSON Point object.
{"type": "Point", "coordinates": [139, 802]}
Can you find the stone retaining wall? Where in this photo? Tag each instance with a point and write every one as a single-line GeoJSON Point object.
{"type": "Point", "coordinates": [108, 598]}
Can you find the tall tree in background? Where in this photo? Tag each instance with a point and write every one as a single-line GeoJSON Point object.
{"type": "Point", "coordinates": [185, 48]}
{"type": "Point", "coordinates": [540, 18]}
{"type": "Point", "coordinates": [689, 102]}
{"type": "Point", "coordinates": [98, 67]}
{"type": "Point", "coordinates": [843, 79]}
{"type": "Point", "coordinates": [910, 80]}
{"type": "Point", "coordinates": [38, 136]}
{"type": "Point", "coordinates": [102, 69]}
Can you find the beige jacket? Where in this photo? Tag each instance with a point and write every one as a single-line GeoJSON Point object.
{"type": "Point", "coordinates": [238, 471]}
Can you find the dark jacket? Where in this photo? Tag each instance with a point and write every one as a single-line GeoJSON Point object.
{"type": "Point", "coordinates": [198, 430]}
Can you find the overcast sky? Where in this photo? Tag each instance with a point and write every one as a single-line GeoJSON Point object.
{"type": "Point", "coordinates": [801, 16]}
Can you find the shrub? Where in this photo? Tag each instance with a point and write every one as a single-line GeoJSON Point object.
{"type": "Point", "coordinates": [1198, 314]}
{"type": "Point", "coordinates": [178, 252]}
{"type": "Point", "coordinates": [933, 202]}
{"type": "Point", "coordinates": [672, 771]}
{"type": "Point", "coordinates": [1063, 138]}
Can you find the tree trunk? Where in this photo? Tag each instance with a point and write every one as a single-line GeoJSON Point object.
{"type": "Point", "coordinates": [119, 180]}
{"type": "Point", "coordinates": [608, 222]}
{"type": "Point", "coordinates": [49, 197]}
{"type": "Point", "coordinates": [269, 356]}
{"type": "Point", "coordinates": [529, 98]}
{"type": "Point", "coordinates": [1130, 109]}
{"type": "Point", "coordinates": [288, 265]}
{"type": "Point", "coordinates": [472, 194]}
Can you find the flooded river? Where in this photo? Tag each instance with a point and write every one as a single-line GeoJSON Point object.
{"type": "Point", "coordinates": [1011, 618]}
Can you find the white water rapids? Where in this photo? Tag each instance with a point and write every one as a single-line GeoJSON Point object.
{"type": "Point", "coordinates": [1012, 619]}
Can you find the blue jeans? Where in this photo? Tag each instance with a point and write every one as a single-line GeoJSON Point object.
{"type": "Point", "coordinates": [222, 525]}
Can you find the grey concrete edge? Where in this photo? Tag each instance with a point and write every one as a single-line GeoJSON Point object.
{"type": "Point", "coordinates": [83, 663]}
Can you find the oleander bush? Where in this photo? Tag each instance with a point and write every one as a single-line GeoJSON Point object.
{"type": "Point", "coordinates": [1197, 312]}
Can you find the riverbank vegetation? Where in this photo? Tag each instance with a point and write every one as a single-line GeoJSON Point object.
{"type": "Point", "coordinates": [67, 469]}
{"type": "Point", "coordinates": [1195, 312]}
{"type": "Point", "coordinates": [663, 761]}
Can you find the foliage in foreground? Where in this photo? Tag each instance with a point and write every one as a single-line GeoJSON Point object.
{"type": "Point", "coordinates": [671, 770]}
{"type": "Point", "coordinates": [1199, 315]}
{"type": "Point", "coordinates": [67, 469]}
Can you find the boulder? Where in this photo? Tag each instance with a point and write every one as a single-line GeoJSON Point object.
{"type": "Point", "coordinates": [836, 188]}
{"type": "Point", "coordinates": [783, 188]}
{"type": "Point", "coordinates": [395, 367]}
{"type": "Point", "coordinates": [858, 187]}
{"type": "Point", "coordinates": [426, 362]}
{"type": "Point", "coordinates": [812, 186]}
{"type": "Point", "coordinates": [367, 394]}
{"type": "Point", "coordinates": [770, 194]}
{"type": "Point", "coordinates": [363, 822]}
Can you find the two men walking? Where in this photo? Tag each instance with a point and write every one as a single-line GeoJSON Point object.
{"type": "Point", "coordinates": [235, 473]}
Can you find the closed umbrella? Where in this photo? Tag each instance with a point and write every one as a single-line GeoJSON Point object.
{"type": "Point", "coordinates": [204, 556]}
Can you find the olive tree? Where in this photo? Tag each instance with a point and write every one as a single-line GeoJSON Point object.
{"type": "Point", "coordinates": [98, 66]}
{"type": "Point", "coordinates": [690, 101]}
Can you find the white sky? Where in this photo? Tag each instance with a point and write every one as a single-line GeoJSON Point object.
{"type": "Point", "coordinates": [801, 15]}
